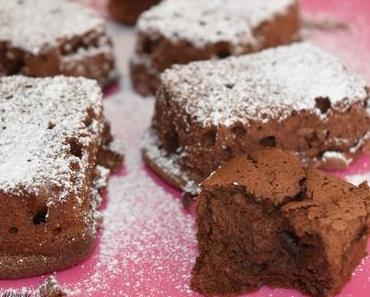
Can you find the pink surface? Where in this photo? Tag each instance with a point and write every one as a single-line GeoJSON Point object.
{"type": "Point", "coordinates": [147, 247]}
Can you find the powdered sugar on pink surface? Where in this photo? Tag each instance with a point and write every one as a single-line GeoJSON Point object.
{"type": "Point", "coordinates": [147, 247]}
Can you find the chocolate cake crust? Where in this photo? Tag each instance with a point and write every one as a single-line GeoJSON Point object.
{"type": "Point", "coordinates": [53, 131]}
{"type": "Point", "coordinates": [179, 32]}
{"type": "Point", "coordinates": [47, 38]}
{"type": "Point", "coordinates": [298, 98]}
{"type": "Point", "coordinates": [265, 220]}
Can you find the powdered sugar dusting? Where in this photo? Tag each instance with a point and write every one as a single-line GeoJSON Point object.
{"type": "Point", "coordinates": [39, 117]}
{"type": "Point", "coordinates": [258, 87]}
{"type": "Point", "coordinates": [159, 275]}
{"type": "Point", "coordinates": [203, 21]}
{"type": "Point", "coordinates": [35, 24]}
{"type": "Point", "coordinates": [151, 239]}
{"type": "Point", "coordinates": [332, 155]}
{"type": "Point", "coordinates": [169, 164]}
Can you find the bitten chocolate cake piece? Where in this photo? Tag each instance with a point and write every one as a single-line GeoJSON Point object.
{"type": "Point", "coordinates": [47, 38]}
{"type": "Point", "coordinates": [178, 32]}
{"type": "Point", "coordinates": [265, 220]}
{"type": "Point", "coordinates": [54, 144]}
{"type": "Point", "coordinates": [128, 11]}
{"type": "Point", "coordinates": [296, 97]}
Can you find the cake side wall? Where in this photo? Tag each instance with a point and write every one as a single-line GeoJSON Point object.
{"type": "Point", "coordinates": [89, 55]}
{"type": "Point", "coordinates": [246, 243]}
{"type": "Point", "coordinates": [48, 229]}
{"type": "Point", "coordinates": [202, 148]}
{"type": "Point", "coordinates": [311, 242]}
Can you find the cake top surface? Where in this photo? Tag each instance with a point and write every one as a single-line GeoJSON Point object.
{"type": "Point", "coordinates": [278, 176]}
{"type": "Point", "coordinates": [268, 174]}
{"type": "Point", "coordinates": [204, 21]}
{"type": "Point", "coordinates": [34, 24]}
{"type": "Point", "coordinates": [39, 117]}
{"type": "Point", "coordinates": [263, 86]}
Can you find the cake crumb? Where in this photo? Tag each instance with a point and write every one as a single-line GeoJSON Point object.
{"type": "Point", "coordinates": [50, 288]}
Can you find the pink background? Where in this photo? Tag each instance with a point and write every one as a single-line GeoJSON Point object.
{"type": "Point", "coordinates": [147, 247]}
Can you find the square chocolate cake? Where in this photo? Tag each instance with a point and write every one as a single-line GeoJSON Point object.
{"type": "Point", "coordinates": [179, 32]}
{"type": "Point", "coordinates": [298, 98]}
{"type": "Point", "coordinates": [55, 155]}
{"type": "Point", "coordinates": [263, 219]}
{"type": "Point", "coordinates": [47, 38]}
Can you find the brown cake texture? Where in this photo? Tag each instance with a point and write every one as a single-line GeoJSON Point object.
{"type": "Point", "coordinates": [298, 98]}
{"type": "Point", "coordinates": [128, 11]}
{"type": "Point", "coordinates": [47, 38]}
{"type": "Point", "coordinates": [55, 144]}
{"type": "Point", "coordinates": [263, 219]}
{"type": "Point", "coordinates": [179, 32]}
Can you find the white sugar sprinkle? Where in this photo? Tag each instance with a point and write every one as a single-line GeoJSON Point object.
{"type": "Point", "coordinates": [169, 164]}
{"type": "Point", "coordinates": [35, 24]}
{"type": "Point", "coordinates": [38, 116]}
{"type": "Point", "coordinates": [332, 155]}
{"type": "Point", "coordinates": [144, 241]}
{"type": "Point", "coordinates": [261, 86]}
{"type": "Point", "coordinates": [205, 21]}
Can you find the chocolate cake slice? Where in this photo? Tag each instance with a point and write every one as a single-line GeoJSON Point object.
{"type": "Point", "coordinates": [265, 220]}
{"type": "Point", "coordinates": [47, 38]}
{"type": "Point", "coordinates": [54, 145]}
{"type": "Point", "coordinates": [178, 32]}
{"type": "Point", "coordinates": [298, 98]}
{"type": "Point", "coordinates": [128, 11]}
